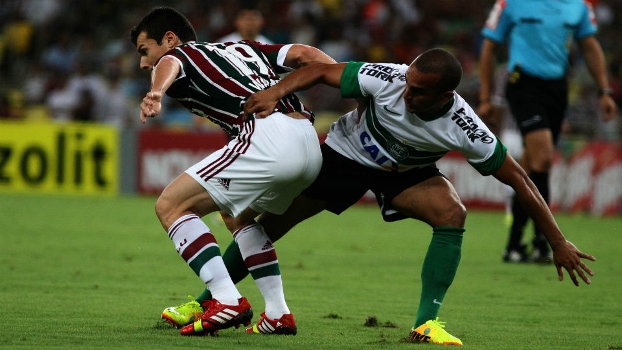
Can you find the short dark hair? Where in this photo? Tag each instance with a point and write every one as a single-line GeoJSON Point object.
{"type": "Point", "coordinates": [442, 63]}
{"type": "Point", "coordinates": [159, 21]}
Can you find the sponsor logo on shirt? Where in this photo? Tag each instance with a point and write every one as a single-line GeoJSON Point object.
{"type": "Point", "coordinates": [382, 72]}
{"type": "Point", "coordinates": [471, 128]}
{"type": "Point", "coordinates": [372, 149]}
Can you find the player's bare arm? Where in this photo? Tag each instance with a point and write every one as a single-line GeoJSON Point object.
{"type": "Point", "coordinates": [162, 76]}
{"type": "Point", "coordinates": [565, 254]}
{"type": "Point", "coordinates": [303, 55]}
{"type": "Point", "coordinates": [262, 102]}
{"type": "Point", "coordinates": [595, 62]}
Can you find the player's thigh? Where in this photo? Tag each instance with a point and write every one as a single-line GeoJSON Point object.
{"type": "Point", "coordinates": [434, 201]}
{"type": "Point", "coordinates": [183, 196]}
{"type": "Point", "coordinates": [302, 208]}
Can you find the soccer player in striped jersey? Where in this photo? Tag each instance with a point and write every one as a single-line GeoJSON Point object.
{"type": "Point", "coordinates": [268, 162]}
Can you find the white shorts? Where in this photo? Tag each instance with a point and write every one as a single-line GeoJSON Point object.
{"type": "Point", "coordinates": [264, 168]}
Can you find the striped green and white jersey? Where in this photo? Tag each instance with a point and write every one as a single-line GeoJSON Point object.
{"type": "Point", "coordinates": [389, 137]}
{"type": "Point", "coordinates": [216, 78]}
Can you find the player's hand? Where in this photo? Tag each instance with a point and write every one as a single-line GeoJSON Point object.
{"type": "Point", "coordinates": [569, 258]}
{"type": "Point", "coordinates": [261, 103]}
{"type": "Point", "coordinates": [608, 107]}
{"type": "Point", "coordinates": [151, 105]}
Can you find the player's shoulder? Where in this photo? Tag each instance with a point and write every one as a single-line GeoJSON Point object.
{"type": "Point", "coordinates": [461, 104]}
{"type": "Point", "coordinates": [461, 108]}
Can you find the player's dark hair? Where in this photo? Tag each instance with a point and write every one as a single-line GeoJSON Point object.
{"type": "Point", "coordinates": [159, 21]}
{"type": "Point", "coordinates": [442, 63]}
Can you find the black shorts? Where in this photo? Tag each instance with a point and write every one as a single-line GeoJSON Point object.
{"type": "Point", "coordinates": [342, 182]}
{"type": "Point", "coordinates": [537, 103]}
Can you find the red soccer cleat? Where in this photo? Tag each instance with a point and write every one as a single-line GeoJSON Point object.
{"type": "Point", "coordinates": [219, 316]}
{"type": "Point", "coordinates": [284, 325]}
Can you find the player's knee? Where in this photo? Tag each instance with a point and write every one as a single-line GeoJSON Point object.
{"type": "Point", "coordinates": [453, 215]}
{"type": "Point", "coordinates": [543, 165]}
{"type": "Point", "coordinates": [163, 211]}
{"type": "Point", "coordinates": [541, 161]}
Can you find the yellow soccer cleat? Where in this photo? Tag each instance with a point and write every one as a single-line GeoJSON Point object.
{"type": "Point", "coordinates": [433, 331]}
{"type": "Point", "coordinates": [184, 314]}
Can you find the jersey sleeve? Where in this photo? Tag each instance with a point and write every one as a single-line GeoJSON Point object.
{"type": "Point", "coordinates": [275, 53]}
{"type": "Point", "coordinates": [492, 163]}
{"type": "Point", "coordinates": [498, 23]}
{"type": "Point", "coordinates": [350, 86]}
{"type": "Point", "coordinates": [588, 25]}
{"type": "Point", "coordinates": [177, 54]}
{"type": "Point", "coordinates": [362, 79]}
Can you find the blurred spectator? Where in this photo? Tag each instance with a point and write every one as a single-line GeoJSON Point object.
{"type": "Point", "coordinates": [333, 43]}
{"type": "Point", "coordinates": [90, 87]}
{"type": "Point", "coordinates": [6, 110]}
{"type": "Point", "coordinates": [15, 43]}
{"type": "Point", "coordinates": [117, 110]}
{"type": "Point", "coordinates": [61, 101]}
{"type": "Point", "coordinates": [35, 85]}
{"type": "Point", "coordinates": [62, 54]}
{"type": "Point", "coordinates": [248, 24]}
{"type": "Point", "coordinates": [303, 31]}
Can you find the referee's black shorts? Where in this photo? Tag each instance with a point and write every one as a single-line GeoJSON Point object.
{"type": "Point", "coordinates": [537, 103]}
{"type": "Point", "coordinates": [342, 182]}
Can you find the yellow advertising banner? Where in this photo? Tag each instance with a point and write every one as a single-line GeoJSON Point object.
{"type": "Point", "coordinates": [59, 158]}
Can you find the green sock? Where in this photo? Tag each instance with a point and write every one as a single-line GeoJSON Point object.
{"type": "Point", "coordinates": [438, 271]}
{"type": "Point", "coordinates": [235, 266]}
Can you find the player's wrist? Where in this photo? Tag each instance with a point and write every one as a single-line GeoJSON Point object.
{"type": "Point", "coordinates": [605, 91]}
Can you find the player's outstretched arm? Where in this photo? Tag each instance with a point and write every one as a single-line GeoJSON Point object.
{"type": "Point", "coordinates": [162, 76]}
{"type": "Point", "coordinates": [303, 55]}
{"type": "Point", "coordinates": [262, 102]}
{"type": "Point", "coordinates": [565, 254]}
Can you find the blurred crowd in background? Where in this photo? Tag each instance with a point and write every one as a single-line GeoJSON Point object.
{"type": "Point", "coordinates": [72, 60]}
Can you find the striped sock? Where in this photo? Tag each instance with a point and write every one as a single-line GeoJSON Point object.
{"type": "Point", "coordinates": [260, 258]}
{"type": "Point", "coordinates": [199, 249]}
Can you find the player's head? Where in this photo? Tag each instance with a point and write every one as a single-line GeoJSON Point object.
{"type": "Point", "coordinates": [161, 20]}
{"type": "Point", "coordinates": [430, 81]}
{"type": "Point", "coordinates": [158, 32]}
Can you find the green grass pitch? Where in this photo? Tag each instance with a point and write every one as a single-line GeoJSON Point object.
{"type": "Point", "coordinates": [88, 273]}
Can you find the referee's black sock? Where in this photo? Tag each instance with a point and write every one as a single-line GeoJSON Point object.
{"type": "Point", "coordinates": [541, 180]}
{"type": "Point", "coordinates": [519, 220]}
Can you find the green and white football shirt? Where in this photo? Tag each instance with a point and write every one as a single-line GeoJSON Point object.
{"type": "Point", "coordinates": [389, 137]}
